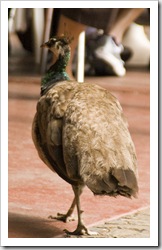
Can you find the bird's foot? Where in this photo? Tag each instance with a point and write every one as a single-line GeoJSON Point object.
{"type": "Point", "coordinates": [62, 217]}
{"type": "Point", "coordinates": [80, 230]}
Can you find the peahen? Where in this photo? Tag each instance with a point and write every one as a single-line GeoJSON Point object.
{"type": "Point", "coordinates": [81, 134]}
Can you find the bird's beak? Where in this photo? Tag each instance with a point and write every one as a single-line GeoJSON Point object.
{"type": "Point", "coordinates": [44, 45]}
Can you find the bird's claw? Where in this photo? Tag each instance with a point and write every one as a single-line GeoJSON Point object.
{"type": "Point", "coordinates": [80, 230]}
{"type": "Point", "coordinates": [62, 217]}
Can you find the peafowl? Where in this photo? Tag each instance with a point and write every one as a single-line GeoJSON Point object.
{"type": "Point", "coordinates": [80, 133]}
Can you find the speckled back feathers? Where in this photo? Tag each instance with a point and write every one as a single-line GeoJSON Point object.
{"type": "Point", "coordinates": [83, 130]}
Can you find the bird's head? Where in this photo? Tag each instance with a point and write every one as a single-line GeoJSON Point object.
{"type": "Point", "coordinates": [59, 45]}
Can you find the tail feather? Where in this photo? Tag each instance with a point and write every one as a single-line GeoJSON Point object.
{"type": "Point", "coordinates": [125, 178]}
{"type": "Point", "coordinates": [116, 182]}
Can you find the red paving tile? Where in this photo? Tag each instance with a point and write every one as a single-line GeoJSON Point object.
{"type": "Point", "coordinates": [35, 192]}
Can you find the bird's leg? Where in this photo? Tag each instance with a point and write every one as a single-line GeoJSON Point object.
{"type": "Point", "coordinates": [81, 229]}
{"type": "Point", "coordinates": [65, 217]}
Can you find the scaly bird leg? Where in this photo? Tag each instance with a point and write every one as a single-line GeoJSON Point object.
{"type": "Point", "coordinates": [81, 229]}
{"type": "Point", "coordinates": [65, 217]}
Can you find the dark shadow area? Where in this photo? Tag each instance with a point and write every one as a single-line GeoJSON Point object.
{"type": "Point", "coordinates": [24, 226]}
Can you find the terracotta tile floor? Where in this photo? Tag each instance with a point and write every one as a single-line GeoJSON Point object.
{"type": "Point", "coordinates": [35, 192]}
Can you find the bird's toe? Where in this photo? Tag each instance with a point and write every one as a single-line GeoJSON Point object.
{"type": "Point", "coordinates": [62, 217]}
{"type": "Point", "coordinates": [80, 230]}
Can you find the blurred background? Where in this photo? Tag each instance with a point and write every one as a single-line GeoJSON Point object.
{"type": "Point", "coordinates": [29, 28]}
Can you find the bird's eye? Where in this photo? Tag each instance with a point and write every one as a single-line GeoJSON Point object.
{"type": "Point", "coordinates": [53, 40]}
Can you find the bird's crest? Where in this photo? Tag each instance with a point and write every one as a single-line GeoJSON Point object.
{"type": "Point", "coordinates": [67, 35]}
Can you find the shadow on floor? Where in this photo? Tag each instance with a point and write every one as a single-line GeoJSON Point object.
{"type": "Point", "coordinates": [25, 226]}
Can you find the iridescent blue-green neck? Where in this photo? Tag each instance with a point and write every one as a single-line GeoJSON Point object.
{"type": "Point", "coordinates": [57, 72]}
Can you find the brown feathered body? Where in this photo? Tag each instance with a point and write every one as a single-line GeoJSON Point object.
{"type": "Point", "coordinates": [80, 132]}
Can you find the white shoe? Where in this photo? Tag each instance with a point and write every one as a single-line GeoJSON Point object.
{"type": "Point", "coordinates": [109, 53]}
{"type": "Point", "coordinates": [136, 39]}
